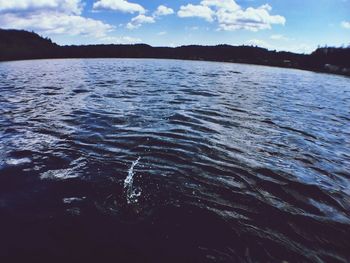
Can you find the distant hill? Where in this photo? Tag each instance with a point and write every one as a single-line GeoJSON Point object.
{"type": "Point", "coordinates": [332, 56]}
{"type": "Point", "coordinates": [23, 39]}
{"type": "Point", "coordinates": [19, 44]}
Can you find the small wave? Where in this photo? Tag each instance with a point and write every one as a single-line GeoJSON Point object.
{"type": "Point", "coordinates": [235, 72]}
{"type": "Point", "coordinates": [131, 193]}
{"type": "Point", "coordinates": [79, 91]}
{"type": "Point", "coordinates": [70, 200]}
{"type": "Point", "coordinates": [60, 174]}
{"type": "Point", "coordinates": [74, 171]}
{"type": "Point", "coordinates": [16, 162]}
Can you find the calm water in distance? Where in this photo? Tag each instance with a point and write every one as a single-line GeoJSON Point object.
{"type": "Point", "coordinates": [173, 161]}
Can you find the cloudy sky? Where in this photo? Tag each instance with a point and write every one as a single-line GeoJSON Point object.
{"type": "Point", "coordinates": [292, 25]}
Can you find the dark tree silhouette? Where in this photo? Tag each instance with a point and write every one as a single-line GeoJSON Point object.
{"type": "Point", "coordinates": [19, 44]}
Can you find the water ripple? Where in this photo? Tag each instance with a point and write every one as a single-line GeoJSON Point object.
{"type": "Point", "coordinates": [239, 163]}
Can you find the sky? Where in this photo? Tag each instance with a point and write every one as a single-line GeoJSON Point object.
{"type": "Point", "coordinates": [291, 25]}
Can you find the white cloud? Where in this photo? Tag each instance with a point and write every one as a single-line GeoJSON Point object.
{"type": "Point", "coordinates": [345, 24]}
{"type": "Point", "coordinates": [141, 19]}
{"type": "Point", "coordinates": [227, 5]}
{"type": "Point", "coordinates": [252, 19]}
{"type": "Point", "coordinates": [301, 48]}
{"type": "Point", "coordinates": [50, 23]}
{"type": "Point", "coordinates": [230, 16]}
{"type": "Point", "coordinates": [192, 28]}
{"type": "Point", "coordinates": [162, 33]}
{"type": "Point", "coordinates": [279, 37]}
{"type": "Point", "coordinates": [63, 17]}
{"type": "Point", "coordinates": [297, 48]}
{"type": "Point", "coordinates": [65, 6]}
{"type": "Point", "coordinates": [119, 5]}
{"type": "Point", "coordinates": [137, 21]}
{"type": "Point", "coordinates": [259, 43]}
{"type": "Point", "coordinates": [119, 40]}
{"type": "Point", "coordinates": [162, 10]}
{"type": "Point", "coordinates": [51, 17]}
{"type": "Point", "coordinates": [200, 11]}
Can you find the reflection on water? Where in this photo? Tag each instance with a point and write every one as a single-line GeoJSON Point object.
{"type": "Point", "coordinates": [165, 160]}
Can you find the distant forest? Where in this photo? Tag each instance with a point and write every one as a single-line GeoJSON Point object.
{"type": "Point", "coordinates": [21, 45]}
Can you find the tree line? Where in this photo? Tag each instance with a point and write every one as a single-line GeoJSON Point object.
{"type": "Point", "coordinates": [20, 44]}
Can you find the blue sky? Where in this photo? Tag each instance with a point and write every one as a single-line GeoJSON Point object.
{"type": "Point", "coordinates": [292, 25]}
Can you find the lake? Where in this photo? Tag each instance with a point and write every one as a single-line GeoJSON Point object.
{"type": "Point", "coordinates": [130, 160]}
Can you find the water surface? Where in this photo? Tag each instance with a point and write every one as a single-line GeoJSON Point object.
{"type": "Point", "coordinates": [173, 161]}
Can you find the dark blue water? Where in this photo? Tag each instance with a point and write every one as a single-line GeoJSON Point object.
{"type": "Point", "coordinates": [172, 161]}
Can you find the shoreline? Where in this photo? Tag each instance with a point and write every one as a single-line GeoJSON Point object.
{"type": "Point", "coordinates": [186, 59]}
{"type": "Point", "coordinates": [24, 45]}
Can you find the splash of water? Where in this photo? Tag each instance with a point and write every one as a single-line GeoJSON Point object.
{"type": "Point", "coordinates": [131, 193]}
